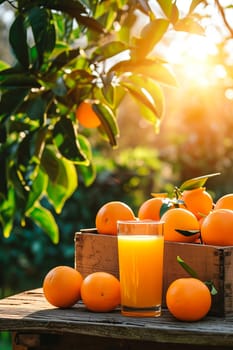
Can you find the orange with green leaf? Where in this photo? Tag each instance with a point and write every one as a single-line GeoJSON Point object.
{"type": "Point", "coordinates": [189, 298]}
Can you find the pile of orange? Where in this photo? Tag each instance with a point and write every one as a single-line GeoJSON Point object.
{"type": "Point", "coordinates": [192, 218]}
{"type": "Point", "coordinates": [64, 286]}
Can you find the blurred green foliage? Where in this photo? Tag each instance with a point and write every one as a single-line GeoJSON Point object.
{"type": "Point", "coordinates": [28, 254]}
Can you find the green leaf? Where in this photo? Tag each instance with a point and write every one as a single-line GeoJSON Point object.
{"type": "Point", "coordinates": [7, 208]}
{"type": "Point", "coordinates": [37, 190]}
{"type": "Point", "coordinates": [212, 288]}
{"type": "Point", "coordinates": [3, 65]}
{"type": "Point", "coordinates": [3, 167]}
{"type": "Point", "coordinates": [166, 6]}
{"type": "Point", "coordinates": [36, 107]}
{"type": "Point", "coordinates": [91, 23]}
{"type": "Point", "coordinates": [110, 49]}
{"type": "Point", "coordinates": [187, 268]}
{"type": "Point", "coordinates": [45, 220]}
{"type": "Point", "coordinates": [63, 59]}
{"type": "Point", "coordinates": [66, 141]}
{"type": "Point", "coordinates": [194, 274]}
{"type": "Point", "coordinates": [18, 41]}
{"type": "Point", "coordinates": [165, 207]}
{"type": "Point", "coordinates": [147, 92]}
{"type": "Point", "coordinates": [11, 100]}
{"type": "Point", "coordinates": [64, 186]}
{"type": "Point", "coordinates": [88, 172]}
{"type": "Point", "coordinates": [29, 152]}
{"type": "Point", "coordinates": [109, 127]}
{"type": "Point", "coordinates": [196, 182]}
{"type": "Point", "coordinates": [10, 80]}
{"type": "Point", "coordinates": [109, 93]}
{"type": "Point", "coordinates": [43, 31]}
{"type": "Point", "coordinates": [187, 233]}
{"type": "Point", "coordinates": [158, 72]}
{"type": "Point", "coordinates": [151, 34]}
{"type": "Point", "coordinates": [151, 68]}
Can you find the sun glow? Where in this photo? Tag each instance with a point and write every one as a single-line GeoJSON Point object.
{"type": "Point", "coordinates": [193, 56]}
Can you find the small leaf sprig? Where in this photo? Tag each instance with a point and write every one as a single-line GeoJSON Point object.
{"type": "Point", "coordinates": [194, 274]}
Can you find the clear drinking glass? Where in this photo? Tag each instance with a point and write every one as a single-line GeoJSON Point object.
{"type": "Point", "coordinates": [140, 253]}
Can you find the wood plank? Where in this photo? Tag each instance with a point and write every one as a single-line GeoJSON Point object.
{"type": "Point", "coordinates": [30, 312]}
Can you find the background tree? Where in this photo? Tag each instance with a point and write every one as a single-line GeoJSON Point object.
{"type": "Point", "coordinates": [66, 53]}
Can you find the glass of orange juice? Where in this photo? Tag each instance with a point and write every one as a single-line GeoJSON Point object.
{"type": "Point", "coordinates": [140, 253]}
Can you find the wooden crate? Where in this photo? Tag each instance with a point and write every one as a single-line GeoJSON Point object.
{"type": "Point", "coordinates": [95, 252]}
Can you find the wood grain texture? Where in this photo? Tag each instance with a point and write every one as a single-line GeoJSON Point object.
{"type": "Point", "coordinates": [29, 312]}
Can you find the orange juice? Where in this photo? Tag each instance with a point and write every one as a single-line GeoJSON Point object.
{"type": "Point", "coordinates": [141, 268]}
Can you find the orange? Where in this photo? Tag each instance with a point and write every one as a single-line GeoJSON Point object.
{"type": "Point", "coordinates": [100, 292]}
{"type": "Point", "coordinates": [188, 299]}
{"type": "Point", "coordinates": [61, 286]}
{"type": "Point", "coordinates": [150, 209]}
{"type": "Point", "coordinates": [109, 213]}
{"type": "Point", "coordinates": [225, 202]}
{"type": "Point", "coordinates": [180, 219]}
{"type": "Point", "coordinates": [86, 115]}
{"type": "Point", "coordinates": [216, 228]}
{"type": "Point", "coordinates": [198, 201]}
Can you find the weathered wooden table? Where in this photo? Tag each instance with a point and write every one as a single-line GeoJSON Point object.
{"type": "Point", "coordinates": [36, 325]}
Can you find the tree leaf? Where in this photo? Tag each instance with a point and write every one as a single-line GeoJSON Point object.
{"type": "Point", "coordinates": [151, 34]}
{"type": "Point", "coordinates": [166, 6]}
{"type": "Point", "coordinates": [109, 127]}
{"type": "Point", "coordinates": [147, 92]}
{"type": "Point", "coordinates": [18, 41]}
{"type": "Point", "coordinates": [194, 274]}
{"type": "Point", "coordinates": [190, 25]}
{"type": "Point", "coordinates": [90, 23]}
{"type": "Point", "coordinates": [3, 167]}
{"type": "Point", "coordinates": [35, 107]}
{"type": "Point", "coordinates": [28, 154]}
{"type": "Point", "coordinates": [61, 188]}
{"type": "Point", "coordinates": [110, 49]}
{"type": "Point", "coordinates": [11, 101]}
{"type": "Point", "coordinates": [88, 172]}
{"type": "Point", "coordinates": [3, 65]}
{"type": "Point", "coordinates": [63, 59]}
{"type": "Point", "coordinates": [11, 80]}
{"type": "Point", "coordinates": [151, 68]}
{"type": "Point", "coordinates": [45, 220]}
{"type": "Point", "coordinates": [193, 5]}
{"type": "Point", "coordinates": [165, 207]}
{"type": "Point", "coordinates": [66, 141]}
{"type": "Point", "coordinates": [196, 182]}
{"type": "Point", "coordinates": [109, 94]}
{"type": "Point", "coordinates": [158, 72]}
{"type": "Point", "coordinates": [37, 190]}
{"type": "Point", "coordinates": [43, 31]}
{"type": "Point", "coordinates": [187, 268]}
{"type": "Point", "coordinates": [174, 17]}
{"type": "Point", "coordinates": [212, 288]}
{"type": "Point", "coordinates": [7, 208]}
{"type": "Point", "coordinates": [187, 233]}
